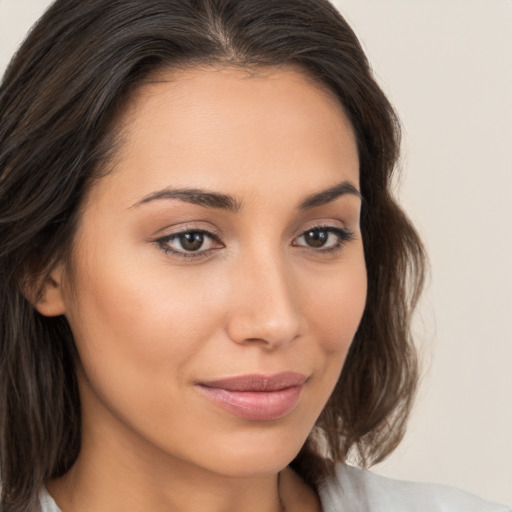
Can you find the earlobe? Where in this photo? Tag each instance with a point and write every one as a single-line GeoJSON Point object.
{"type": "Point", "coordinates": [47, 297]}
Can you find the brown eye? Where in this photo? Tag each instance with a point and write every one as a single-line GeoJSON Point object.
{"type": "Point", "coordinates": [316, 237]}
{"type": "Point", "coordinates": [192, 241]}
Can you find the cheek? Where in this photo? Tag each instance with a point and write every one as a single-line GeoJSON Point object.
{"type": "Point", "coordinates": [335, 311]}
{"type": "Point", "coordinates": [139, 335]}
{"type": "Point", "coordinates": [337, 307]}
{"type": "Point", "coordinates": [128, 319]}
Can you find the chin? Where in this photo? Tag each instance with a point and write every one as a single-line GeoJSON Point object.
{"type": "Point", "coordinates": [257, 454]}
{"type": "Point", "coordinates": [254, 465]}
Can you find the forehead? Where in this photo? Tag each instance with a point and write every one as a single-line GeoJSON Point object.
{"type": "Point", "coordinates": [228, 126]}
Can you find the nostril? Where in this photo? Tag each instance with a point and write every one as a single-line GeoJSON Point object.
{"type": "Point", "coordinates": [267, 324]}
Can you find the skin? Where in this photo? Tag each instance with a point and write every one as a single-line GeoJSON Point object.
{"type": "Point", "coordinates": [261, 299]}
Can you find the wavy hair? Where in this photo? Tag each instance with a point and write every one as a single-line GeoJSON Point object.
{"type": "Point", "coordinates": [59, 101]}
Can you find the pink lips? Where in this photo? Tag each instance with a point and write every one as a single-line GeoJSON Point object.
{"type": "Point", "coordinates": [256, 397]}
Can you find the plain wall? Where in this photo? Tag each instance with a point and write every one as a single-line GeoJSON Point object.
{"type": "Point", "coordinates": [447, 67]}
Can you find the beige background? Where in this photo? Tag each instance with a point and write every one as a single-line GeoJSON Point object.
{"type": "Point", "coordinates": [447, 66]}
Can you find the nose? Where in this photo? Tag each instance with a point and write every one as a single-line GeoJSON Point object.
{"type": "Point", "coordinates": [264, 307]}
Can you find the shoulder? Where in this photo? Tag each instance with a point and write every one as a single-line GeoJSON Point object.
{"type": "Point", "coordinates": [358, 490]}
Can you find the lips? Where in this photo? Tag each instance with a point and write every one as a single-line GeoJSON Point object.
{"type": "Point", "coordinates": [256, 397]}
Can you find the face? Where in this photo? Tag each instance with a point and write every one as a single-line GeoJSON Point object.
{"type": "Point", "coordinates": [218, 275]}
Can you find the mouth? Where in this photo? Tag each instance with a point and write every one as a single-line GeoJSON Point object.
{"type": "Point", "coordinates": [256, 397]}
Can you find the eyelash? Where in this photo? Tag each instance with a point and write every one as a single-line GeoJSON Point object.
{"type": "Point", "coordinates": [344, 236]}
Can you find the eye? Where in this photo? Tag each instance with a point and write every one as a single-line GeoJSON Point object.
{"type": "Point", "coordinates": [191, 243]}
{"type": "Point", "coordinates": [326, 239]}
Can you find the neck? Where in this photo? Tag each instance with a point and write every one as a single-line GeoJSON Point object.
{"type": "Point", "coordinates": [116, 487]}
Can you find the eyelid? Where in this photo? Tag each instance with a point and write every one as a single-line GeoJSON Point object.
{"type": "Point", "coordinates": [186, 227]}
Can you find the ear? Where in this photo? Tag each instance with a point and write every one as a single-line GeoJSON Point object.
{"type": "Point", "coordinates": [45, 293]}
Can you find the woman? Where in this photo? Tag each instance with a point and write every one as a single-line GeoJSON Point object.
{"type": "Point", "coordinates": [206, 284]}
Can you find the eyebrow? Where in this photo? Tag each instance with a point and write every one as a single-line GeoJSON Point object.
{"type": "Point", "coordinates": [229, 203]}
{"type": "Point", "coordinates": [329, 195]}
{"type": "Point", "coordinates": [195, 196]}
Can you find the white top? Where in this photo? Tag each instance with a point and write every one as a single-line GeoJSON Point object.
{"type": "Point", "coordinates": [355, 490]}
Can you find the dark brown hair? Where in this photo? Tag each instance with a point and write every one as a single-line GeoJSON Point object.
{"type": "Point", "coordinates": [58, 103]}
